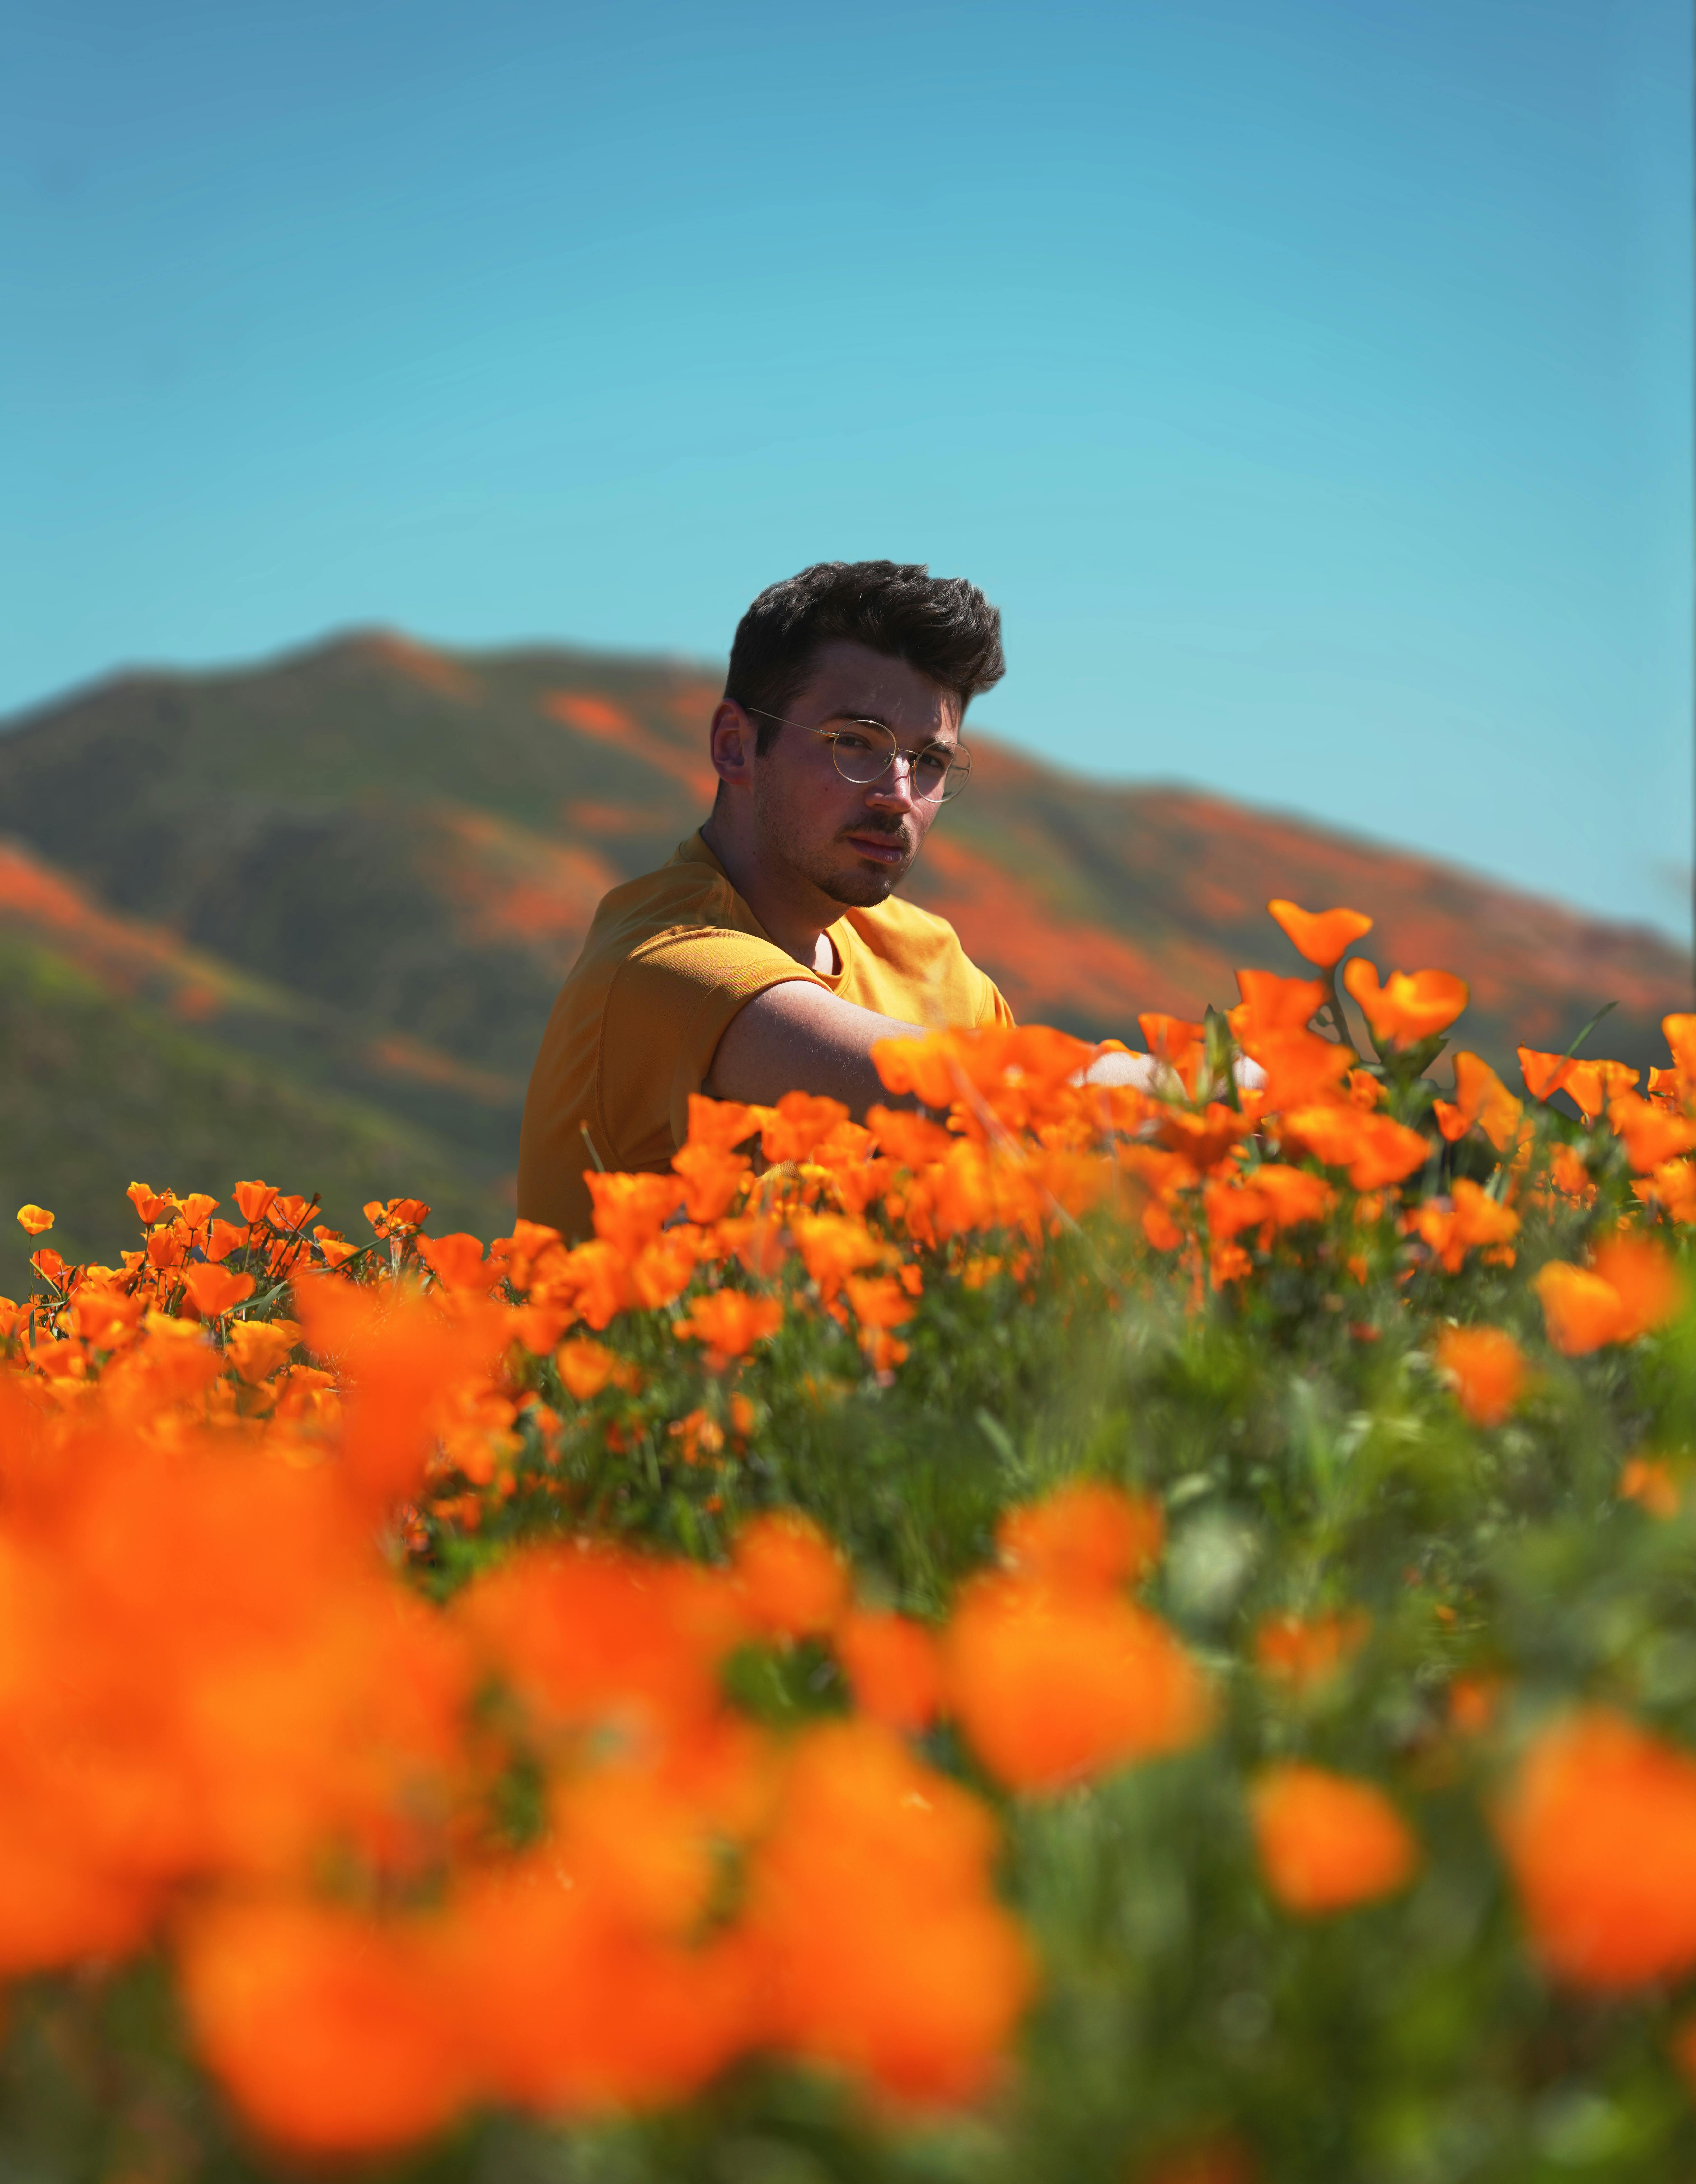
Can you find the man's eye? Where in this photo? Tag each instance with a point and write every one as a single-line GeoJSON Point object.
{"type": "Point", "coordinates": [849, 739]}
{"type": "Point", "coordinates": [931, 768]}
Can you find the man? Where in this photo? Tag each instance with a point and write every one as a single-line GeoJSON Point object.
{"type": "Point", "coordinates": [770, 954]}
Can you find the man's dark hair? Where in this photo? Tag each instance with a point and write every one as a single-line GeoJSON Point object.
{"type": "Point", "coordinates": [942, 626]}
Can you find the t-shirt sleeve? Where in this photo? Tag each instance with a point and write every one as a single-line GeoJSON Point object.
{"type": "Point", "coordinates": [665, 1013]}
{"type": "Point", "coordinates": [995, 1009]}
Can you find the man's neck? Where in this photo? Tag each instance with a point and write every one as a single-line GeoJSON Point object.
{"type": "Point", "coordinates": [795, 913]}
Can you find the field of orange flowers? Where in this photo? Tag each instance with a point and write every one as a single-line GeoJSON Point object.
{"type": "Point", "coordinates": [1063, 1632]}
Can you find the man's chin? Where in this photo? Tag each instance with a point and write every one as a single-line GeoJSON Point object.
{"type": "Point", "coordinates": [863, 885]}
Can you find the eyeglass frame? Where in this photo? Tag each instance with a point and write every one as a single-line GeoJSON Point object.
{"type": "Point", "coordinates": [957, 753]}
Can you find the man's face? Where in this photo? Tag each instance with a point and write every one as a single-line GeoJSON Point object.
{"type": "Point", "coordinates": [854, 843]}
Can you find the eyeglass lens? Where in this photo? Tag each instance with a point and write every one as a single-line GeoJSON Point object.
{"type": "Point", "coordinates": [865, 752]}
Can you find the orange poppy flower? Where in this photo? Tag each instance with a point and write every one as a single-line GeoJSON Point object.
{"type": "Point", "coordinates": [911, 1140]}
{"type": "Point", "coordinates": [1209, 2161]}
{"type": "Point", "coordinates": [1175, 1041]}
{"type": "Point", "coordinates": [1631, 1287]}
{"type": "Point", "coordinates": [1473, 1701]}
{"type": "Point", "coordinates": [730, 1322]}
{"type": "Point", "coordinates": [800, 1121]}
{"type": "Point", "coordinates": [881, 1948]}
{"type": "Point", "coordinates": [1471, 1220]}
{"type": "Point", "coordinates": [1052, 1689]}
{"type": "Point", "coordinates": [793, 1582]}
{"type": "Point", "coordinates": [1480, 1097]}
{"type": "Point", "coordinates": [1486, 1369]}
{"type": "Point", "coordinates": [257, 1348]}
{"type": "Point", "coordinates": [587, 1366]}
{"type": "Point", "coordinates": [883, 1301]}
{"type": "Point", "coordinates": [1598, 1829]}
{"type": "Point", "coordinates": [1374, 1151]}
{"type": "Point", "coordinates": [722, 1125]}
{"type": "Point", "coordinates": [393, 1217]}
{"type": "Point", "coordinates": [255, 1200]}
{"type": "Point", "coordinates": [1085, 1535]}
{"type": "Point", "coordinates": [214, 1289]}
{"type": "Point", "coordinates": [1305, 1651]}
{"type": "Point", "coordinates": [1327, 1841]}
{"type": "Point", "coordinates": [893, 1668]}
{"type": "Point", "coordinates": [1207, 1138]}
{"type": "Point", "coordinates": [833, 1246]}
{"type": "Point", "coordinates": [148, 1204]}
{"type": "Point", "coordinates": [1270, 1003]}
{"type": "Point", "coordinates": [1646, 1279]}
{"type": "Point", "coordinates": [1650, 1134]}
{"type": "Point", "coordinates": [1292, 1195]}
{"type": "Point", "coordinates": [332, 2033]}
{"type": "Point", "coordinates": [1412, 1006]}
{"type": "Point", "coordinates": [631, 1210]}
{"type": "Point", "coordinates": [1581, 1311]}
{"type": "Point", "coordinates": [713, 1179]}
{"type": "Point", "coordinates": [1323, 936]}
{"type": "Point", "coordinates": [398, 1355]}
{"type": "Point", "coordinates": [34, 1220]}
{"type": "Point", "coordinates": [1680, 1033]}
{"type": "Point", "coordinates": [1301, 1068]}
{"type": "Point", "coordinates": [1650, 1481]}
{"type": "Point", "coordinates": [1545, 1073]}
{"type": "Point", "coordinates": [458, 1262]}
{"type": "Point", "coordinates": [1591, 1085]}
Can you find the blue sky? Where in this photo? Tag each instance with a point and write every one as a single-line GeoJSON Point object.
{"type": "Point", "coordinates": [1308, 380]}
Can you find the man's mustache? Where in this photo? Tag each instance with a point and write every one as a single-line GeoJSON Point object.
{"type": "Point", "coordinates": [896, 829]}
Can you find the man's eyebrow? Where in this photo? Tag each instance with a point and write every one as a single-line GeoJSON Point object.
{"type": "Point", "coordinates": [877, 721]}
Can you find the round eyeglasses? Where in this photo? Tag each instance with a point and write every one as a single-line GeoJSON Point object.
{"type": "Point", "coordinates": [865, 750]}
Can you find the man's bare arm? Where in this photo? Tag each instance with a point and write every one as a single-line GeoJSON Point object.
{"type": "Point", "coordinates": [797, 1038]}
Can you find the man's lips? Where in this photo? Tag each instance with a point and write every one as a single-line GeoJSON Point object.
{"type": "Point", "coordinates": [882, 849]}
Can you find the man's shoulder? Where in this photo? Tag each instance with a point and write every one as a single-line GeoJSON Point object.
{"type": "Point", "coordinates": [680, 894]}
{"type": "Point", "coordinates": [896, 927]}
{"type": "Point", "coordinates": [908, 963]}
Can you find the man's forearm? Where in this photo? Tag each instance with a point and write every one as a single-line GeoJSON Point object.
{"type": "Point", "coordinates": [797, 1038]}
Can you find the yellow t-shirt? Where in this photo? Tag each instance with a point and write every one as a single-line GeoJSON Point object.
{"type": "Point", "coordinates": [668, 961]}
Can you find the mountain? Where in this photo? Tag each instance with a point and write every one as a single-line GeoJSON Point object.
{"type": "Point", "coordinates": [361, 869]}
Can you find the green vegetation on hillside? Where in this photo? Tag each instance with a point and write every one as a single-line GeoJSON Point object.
{"type": "Point", "coordinates": [95, 1093]}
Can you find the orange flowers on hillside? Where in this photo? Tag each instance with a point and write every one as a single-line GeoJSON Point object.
{"type": "Point", "coordinates": [428, 1822]}
{"type": "Point", "coordinates": [1328, 1842]}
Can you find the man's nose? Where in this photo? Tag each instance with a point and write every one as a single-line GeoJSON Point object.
{"type": "Point", "coordinates": [895, 786]}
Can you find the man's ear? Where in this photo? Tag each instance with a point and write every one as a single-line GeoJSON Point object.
{"type": "Point", "coordinates": [731, 745]}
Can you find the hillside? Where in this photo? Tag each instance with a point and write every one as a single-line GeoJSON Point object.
{"type": "Point", "coordinates": [369, 864]}
{"type": "Point", "coordinates": [97, 1091]}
